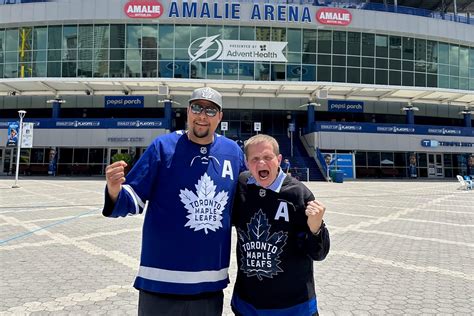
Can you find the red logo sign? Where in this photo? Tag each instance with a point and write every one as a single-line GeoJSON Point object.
{"type": "Point", "coordinates": [334, 16]}
{"type": "Point", "coordinates": [145, 9]}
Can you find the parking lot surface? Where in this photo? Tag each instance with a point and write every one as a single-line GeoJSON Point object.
{"type": "Point", "coordinates": [397, 248]}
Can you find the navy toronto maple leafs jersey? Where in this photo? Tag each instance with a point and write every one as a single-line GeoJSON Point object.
{"type": "Point", "coordinates": [187, 226]}
{"type": "Point", "coordinates": [275, 249]}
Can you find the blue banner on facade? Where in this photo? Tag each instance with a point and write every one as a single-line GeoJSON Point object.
{"type": "Point", "coordinates": [12, 138]}
{"type": "Point", "coordinates": [343, 162]}
{"type": "Point", "coordinates": [95, 123]}
{"type": "Point", "coordinates": [345, 106]}
{"type": "Point", "coordinates": [124, 101]}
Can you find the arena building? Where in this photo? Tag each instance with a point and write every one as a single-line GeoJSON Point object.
{"type": "Point", "coordinates": [384, 88]}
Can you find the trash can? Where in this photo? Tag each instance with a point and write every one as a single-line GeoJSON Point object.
{"type": "Point", "coordinates": [339, 176]}
{"type": "Point", "coordinates": [332, 175]}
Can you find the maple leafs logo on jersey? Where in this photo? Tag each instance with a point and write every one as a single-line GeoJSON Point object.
{"type": "Point", "coordinates": [260, 251]}
{"type": "Point", "coordinates": [205, 209]}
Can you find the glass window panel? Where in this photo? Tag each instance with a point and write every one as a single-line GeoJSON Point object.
{"type": "Point", "coordinates": [150, 36]}
{"type": "Point", "coordinates": [395, 47]}
{"type": "Point", "coordinates": [353, 75]}
{"type": "Point", "coordinates": [166, 39]}
{"type": "Point", "coordinates": [246, 71]}
{"type": "Point", "coordinates": [85, 54]}
{"type": "Point", "coordinates": [181, 70]}
{"type": "Point", "coordinates": [453, 82]}
{"type": "Point", "coordinates": [308, 73]}
{"type": "Point", "coordinates": [25, 70]}
{"type": "Point", "coordinates": [69, 54]}
{"type": "Point", "coordinates": [395, 78]}
{"type": "Point", "coordinates": [420, 79]}
{"type": "Point", "coordinates": [165, 68]}
{"type": "Point", "coordinates": [166, 54]}
{"type": "Point", "coordinates": [86, 36]}
{"type": "Point", "coordinates": [149, 54]}
{"type": "Point", "coordinates": [368, 44]}
{"type": "Point", "coordinates": [395, 64]}
{"type": "Point", "coordinates": [65, 155]}
{"type": "Point", "coordinates": [408, 65]}
{"type": "Point", "coordinates": [27, 56]}
{"type": "Point", "coordinates": [294, 40]}
{"type": "Point", "coordinates": [368, 75]}
{"type": "Point", "coordinates": [54, 69]}
{"type": "Point", "coordinates": [432, 81]}
{"type": "Point", "coordinates": [10, 70]}
{"type": "Point", "coordinates": [432, 51]}
{"type": "Point", "coordinates": [471, 57]}
{"type": "Point", "coordinates": [262, 71]}
{"type": "Point", "coordinates": [214, 30]}
{"type": "Point", "coordinates": [324, 42]}
{"type": "Point", "coordinates": [408, 48]}
{"type": "Point", "coordinates": [323, 73]}
{"type": "Point", "coordinates": [149, 69]}
{"type": "Point", "coordinates": [407, 78]}
{"type": "Point", "coordinates": [100, 68]}
{"type": "Point", "coordinates": [80, 155]}
{"type": "Point", "coordinates": [101, 54]}
{"type": "Point", "coordinates": [432, 68]}
{"type": "Point", "coordinates": [443, 53]}
{"type": "Point", "coordinates": [37, 155]}
{"type": "Point", "coordinates": [39, 69]}
{"type": "Point", "coordinates": [294, 57]}
{"type": "Point", "coordinates": [310, 41]}
{"type": "Point", "coordinates": [182, 36]}
{"type": "Point", "coordinates": [353, 61]}
{"type": "Point", "coordinates": [117, 68]}
{"type": "Point", "coordinates": [471, 72]}
{"type": "Point", "coordinates": [420, 66]}
{"type": "Point", "coordinates": [69, 69]}
{"type": "Point", "coordinates": [11, 57]}
{"type": "Point", "coordinates": [381, 45]}
{"type": "Point", "coordinates": [338, 74]}
{"type": "Point", "coordinates": [463, 83]}
{"type": "Point", "coordinates": [400, 159]}
{"type": "Point", "coordinates": [339, 42]}
{"type": "Point", "coordinates": [381, 63]}
{"type": "Point", "coordinates": [134, 35]}
{"type": "Point", "coordinates": [230, 70]}
{"type": "Point", "coordinates": [324, 59]}
{"type": "Point", "coordinates": [309, 59]}
{"type": "Point", "coordinates": [198, 70]}
{"type": "Point", "coordinates": [368, 62]}
{"type": "Point", "coordinates": [96, 155]}
{"type": "Point", "coordinates": [339, 60]}
{"type": "Point", "coordinates": [133, 68]}
{"type": "Point", "coordinates": [381, 76]}
{"type": "Point", "coordinates": [373, 159]}
{"type": "Point", "coordinates": [25, 38]}
{"type": "Point", "coordinates": [54, 55]}
{"type": "Point", "coordinates": [117, 36]}
{"type": "Point", "coordinates": [69, 37]}
{"type": "Point", "coordinates": [117, 54]}
{"type": "Point", "coordinates": [229, 33]}
{"type": "Point", "coordinates": [278, 34]}
{"type": "Point", "coordinates": [443, 81]}
{"type": "Point", "coordinates": [84, 69]}
{"type": "Point", "coordinates": [263, 33]}
{"type": "Point", "coordinates": [454, 71]}
{"type": "Point", "coordinates": [134, 54]}
{"type": "Point", "coordinates": [101, 36]}
{"type": "Point", "coordinates": [2, 41]}
{"type": "Point", "coordinates": [247, 33]}
{"type": "Point", "coordinates": [293, 72]}
{"type": "Point", "coordinates": [353, 39]}
{"type": "Point", "coordinates": [182, 54]}
{"type": "Point", "coordinates": [11, 40]}
{"type": "Point", "coordinates": [420, 50]}
{"type": "Point", "coordinates": [214, 70]}
{"type": "Point", "coordinates": [361, 158]}
{"type": "Point", "coordinates": [278, 72]}
{"type": "Point", "coordinates": [454, 55]}
{"type": "Point", "coordinates": [463, 61]}
{"type": "Point", "coordinates": [54, 37]}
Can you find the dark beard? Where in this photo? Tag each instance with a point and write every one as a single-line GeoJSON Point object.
{"type": "Point", "coordinates": [202, 134]}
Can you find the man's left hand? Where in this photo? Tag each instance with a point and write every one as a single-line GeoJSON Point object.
{"type": "Point", "coordinates": [315, 211]}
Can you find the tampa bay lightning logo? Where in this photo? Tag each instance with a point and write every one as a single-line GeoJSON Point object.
{"type": "Point", "coordinates": [260, 252]}
{"type": "Point", "coordinates": [198, 48]}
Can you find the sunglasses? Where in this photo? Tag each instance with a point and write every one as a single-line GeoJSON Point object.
{"type": "Point", "coordinates": [197, 109]}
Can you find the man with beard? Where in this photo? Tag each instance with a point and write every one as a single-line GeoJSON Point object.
{"type": "Point", "coordinates": [189, 179]}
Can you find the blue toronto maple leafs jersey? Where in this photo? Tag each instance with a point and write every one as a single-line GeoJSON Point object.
{"type": "Point", "coordinates": [275, 249]}
{"type": "Point", "coordinates": [186, 232]}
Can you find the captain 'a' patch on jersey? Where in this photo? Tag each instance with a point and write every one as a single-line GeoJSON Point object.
{"type": "Point", "coordinates": [204, 209]}
{"type": "Point", "coordinates": [260, 251]}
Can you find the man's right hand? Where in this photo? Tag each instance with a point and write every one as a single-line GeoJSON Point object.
{"type": "Point", "coordinates": [115, 176]}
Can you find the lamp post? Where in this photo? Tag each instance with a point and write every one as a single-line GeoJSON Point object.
{"type": "Point", "coordinates": [21, 113]}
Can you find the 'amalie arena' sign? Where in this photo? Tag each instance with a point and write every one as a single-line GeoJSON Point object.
{"type": "Point", "coordinates": [148, 9]}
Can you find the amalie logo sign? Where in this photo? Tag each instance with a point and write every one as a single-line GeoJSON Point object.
{"type": "Point", "coordinates": [334, 16]}
{"type": "Point", "coordinates": [145, 9]}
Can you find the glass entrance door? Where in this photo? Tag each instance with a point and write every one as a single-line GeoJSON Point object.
{"type": "Point", "coordinates": [113, 151]}
{"type": "Point", "coordinates": [6, 161]}
{"type": "Point", "coordinates": [435, 166]}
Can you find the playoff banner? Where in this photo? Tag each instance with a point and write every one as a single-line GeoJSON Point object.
{"type": "Point", "coordinates": [12, 140]}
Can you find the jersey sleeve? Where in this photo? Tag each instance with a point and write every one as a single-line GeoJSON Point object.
{"type": "Point", "coordinates": [137, 188]}
{"type": "Point", "coordinates": [315, 245]}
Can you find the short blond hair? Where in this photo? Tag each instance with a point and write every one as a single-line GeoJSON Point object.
{"type": "Point", "coordinates": [262, 138]}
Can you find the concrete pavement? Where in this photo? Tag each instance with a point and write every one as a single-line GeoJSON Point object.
{"type": "Point", "coordinates": [396, 248]}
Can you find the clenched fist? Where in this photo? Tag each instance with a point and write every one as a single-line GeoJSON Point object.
{"type": "Point", "coordinates": [315, 211]}
{"type": "Point", "coordinates": [115, 176]}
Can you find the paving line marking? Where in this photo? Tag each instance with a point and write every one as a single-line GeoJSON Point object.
{"type": "Point", "coordinates": [405, 266]}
